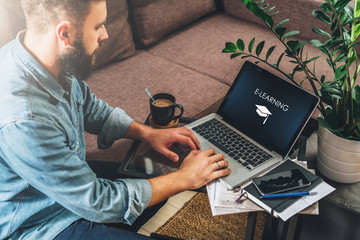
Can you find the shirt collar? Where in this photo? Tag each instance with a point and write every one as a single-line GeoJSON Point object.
{"type": "Point", "coordinates": [40, 74]}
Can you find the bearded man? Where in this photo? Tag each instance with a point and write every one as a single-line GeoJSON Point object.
{"type": "Point", "coordinates": [48, 190]}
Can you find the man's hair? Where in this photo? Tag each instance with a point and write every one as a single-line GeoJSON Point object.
{"type": "Point", "coordinates": [41, 13]}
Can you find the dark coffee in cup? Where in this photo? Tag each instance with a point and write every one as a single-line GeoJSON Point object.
{"type": "Point", "coordinates": [163, 109]}
{"type": "Point", "coordinates": [162, 103]}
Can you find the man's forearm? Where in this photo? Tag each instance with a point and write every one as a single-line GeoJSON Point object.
{"type": "Point", "coordinates": [137, 131]}
{"type": "Point", "coordinates": [166, 186]}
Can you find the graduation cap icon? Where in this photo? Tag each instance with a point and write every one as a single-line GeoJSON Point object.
{"type": "Point", "coordinates": [263, 112]}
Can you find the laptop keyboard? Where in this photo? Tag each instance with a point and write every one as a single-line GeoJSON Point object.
{"type": "Point", "coordinates": [233, 144]}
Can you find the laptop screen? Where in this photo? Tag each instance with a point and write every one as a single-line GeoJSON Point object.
{"type": "Point", "coordinates": [266, 108]}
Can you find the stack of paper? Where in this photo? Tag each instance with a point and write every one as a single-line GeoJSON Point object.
{"type": "Point", "coordinates": [223, 201]}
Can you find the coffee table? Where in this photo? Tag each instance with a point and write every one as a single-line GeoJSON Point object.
{"type": "Point", "coordinates": [142, 161]}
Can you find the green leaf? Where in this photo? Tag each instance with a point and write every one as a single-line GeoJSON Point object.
{"type": "Point", "coordinates": [317, 43]}
{"type": "Point", "coordinates": [346, 16]}
{"type": "Point", "coordinates": [355, 32]}
{"type": "Point", "coordinates": [251, 45]}
{"type": "Point", "coordinates": [290, 34]}
{"type": "Point", "coordinates": [269, 52]}
{"type": "Point", "coordinates": [231, 47]}
{"type": "Point", "coordinates": [321, 16]}
{"type": "Point", "coordinates": [336, 93]}
{"type": "Point", "coordinates": [352, 56]}
{"type": "Point", "coordinates": [236, 55]}
{"type": "Point", "coordinates": [322, 79]}
{"type": "Point", "coordinates": [295, 45]}
{"type": "Point", "coordinates": [340, 73]}
{"type": "Point", "coordinates": [347, 36]}
{"type": "Point", "coordinates": [275, 13]}
{"type": "Point", "coordinates": [281, 23]}
{"type": "Point", "coordinates": [270, 9]}
{"type": "Point", "coordinates": [341, 4]}
{"type": "Point", "coordinates": [225, 50]}
{"type": "Point", "coordinates": [326, 7]}
{"type": "Point", "coordinates": [279, 60]}
{"type": "Point", "coordinates": [240, 45]}
{"type": "Point", "coordinates": [292, 44]}
{"type": "Point", "coordinates": [329, 62]}
{"type": "Point", "coordinates": [311, 60]}
{"type": "Point", "coordinates": [321, 32]}
{"type": "Point", "coordinates": [264, 6]}
{"type": "Point", "coordinates": [280, 31]}
{"type": "Point", "coordinates": [342, 57]}
{"type": "Point", "coordinates": [259, 48]}
{"type": "Point", "coordinates": [356, 94]}
{"type": "Point", "coordinates": [254, 8]}
{"type": "Point", "coordinates": [322, 122]}
{"type": "Point", "coordinates": [354, 44]}
{"type": "Point", "coordinates": [334, 43]}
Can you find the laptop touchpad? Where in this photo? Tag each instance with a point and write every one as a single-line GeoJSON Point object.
{"type": "Point", "coordinates": [205, 146]}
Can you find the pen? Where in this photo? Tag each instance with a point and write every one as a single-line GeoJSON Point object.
{"type": "Point", "coordinates": [282, 195]}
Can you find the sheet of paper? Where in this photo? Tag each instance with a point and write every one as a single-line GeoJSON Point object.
{"type": "Point", "coordinates": [223, 201]}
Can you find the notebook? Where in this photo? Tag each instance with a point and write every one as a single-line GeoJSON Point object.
{"type": "Point", "coordinates": [257, 123]}
{"type": "Point", "coordinates": [277, 205]}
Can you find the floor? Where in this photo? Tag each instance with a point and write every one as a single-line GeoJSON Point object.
{"type": "Point", "coordinates": [333, 223]}
{"type": "Point", "coordinates": [173, 204]}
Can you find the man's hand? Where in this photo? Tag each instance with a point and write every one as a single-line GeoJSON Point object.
{"type": "Point", "coordinates": [162, 139]}
{"type": "Point", "coordinates": [201, 167]}
{"type": "Point", "coordinates": [197, 169]}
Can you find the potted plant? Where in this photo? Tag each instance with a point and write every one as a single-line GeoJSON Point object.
{"type": "Point", "coordinates": [339, 120]}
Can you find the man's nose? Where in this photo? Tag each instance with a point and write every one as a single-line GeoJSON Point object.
{"type": "Point", "coordinates": [103, 35]}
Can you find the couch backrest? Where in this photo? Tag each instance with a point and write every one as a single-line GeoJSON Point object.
{"type": "Point", "coordinates": [120, 44]}
{"type": "Point", "coordinates": [298, 11]}
{"type": "Point", "coordinates": [151, 19]}
{"type": "Point", "coordinates": [154, 19]}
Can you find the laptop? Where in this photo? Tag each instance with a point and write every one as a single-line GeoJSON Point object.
{"type": "Point", "coordinates": [257, 124]}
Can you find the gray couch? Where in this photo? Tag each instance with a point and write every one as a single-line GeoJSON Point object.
{"type": "Point", "coordinates": [172, 46]}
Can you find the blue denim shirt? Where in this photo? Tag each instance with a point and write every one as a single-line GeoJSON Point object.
{"type": "Point", "coordinates": [45, 182]}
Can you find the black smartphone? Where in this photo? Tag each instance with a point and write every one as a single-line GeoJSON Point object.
{"type": "Point", "coordinates": [281, 182]}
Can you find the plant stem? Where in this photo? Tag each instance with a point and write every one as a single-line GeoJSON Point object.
{"type": "Point", "coordinates": [303, 66]}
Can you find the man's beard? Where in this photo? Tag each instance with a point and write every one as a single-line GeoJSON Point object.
{"type": "Point", "coordinates": [77, 62]}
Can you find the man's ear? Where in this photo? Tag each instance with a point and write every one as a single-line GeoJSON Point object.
{"type": "Point", "coordinates": [65, 33]}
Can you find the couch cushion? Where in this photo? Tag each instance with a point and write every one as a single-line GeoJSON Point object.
{"type": "Point", "coordinates": [120, 44]}
{"type": "Point", "coordinates": [12, 20]}
{"type": "Point", "coordinates": [301, 19]}
{"type": "Point", "coordinates": [123, 84]}
{"type": "Point", "coordinates": [156, 18]}
{"type": "Point", "coordinates": [199, 47]}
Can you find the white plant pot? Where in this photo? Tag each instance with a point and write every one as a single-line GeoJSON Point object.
{"type": "Point", "coordinates": [338, 158]}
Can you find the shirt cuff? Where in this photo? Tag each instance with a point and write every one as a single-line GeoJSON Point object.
{"type": "Point", "coordinates": [140, 194]}
{"type": "Point", "coordinates": [114, 128]}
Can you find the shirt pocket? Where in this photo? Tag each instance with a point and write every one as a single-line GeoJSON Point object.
{"type": "Point", "coordinates": [72, 138]}
{"type": "Point", "coordinates": [80, 115]}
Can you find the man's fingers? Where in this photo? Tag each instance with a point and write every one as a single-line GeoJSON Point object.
{"type": "Point", "coordinates": [169, 154]}
{"type": "Point", "coordinates": [221, 173]}
{"type": "Point", "coordinates": [189, 142]}
{"type": "Point", "coordinates": [220, 164]}
{"type": "Point", "coordinates": [189, 134]}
